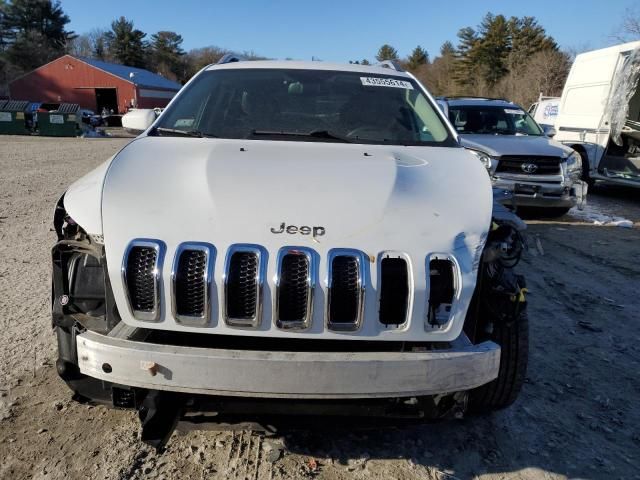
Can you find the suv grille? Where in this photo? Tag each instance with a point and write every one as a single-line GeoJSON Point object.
{"type": "Point", "coordinates": [543, 165]}
{"type": "Point", "coordinates": [243, 285]}
{"type": "Point", "coordinates": [346, 291]}
{"type": "Point", "coordinates": [191, 284]}
{"type": "Point", "coordinates": [294, 288]}
{"type": "Point", "coordinates": [141, 279]}
{"type": "Point", "coordinates": [394, 291]}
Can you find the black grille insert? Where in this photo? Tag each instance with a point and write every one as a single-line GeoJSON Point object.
{"type": "Point", "coordinates": [141, 278]}
{"type": "Point", "coordinates": [394, 291]}
{"type": "Point", "coordinates": [293, 293]}
{"type": "Point", "coordinates": [529, 164]}
{"type": "Point", "coordinates": [345, 292]}
{"type": "Point", "coordinates": [191, 283]}
{"type": "Point", "coordinates": [242, 286]}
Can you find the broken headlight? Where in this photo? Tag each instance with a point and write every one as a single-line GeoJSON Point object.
{"type": "Point", "coordinates": [483, 157]}
{"type": "Point", "coordinates": [574, 165]}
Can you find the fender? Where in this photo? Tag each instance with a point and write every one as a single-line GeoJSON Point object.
{"type": "Point", "coordinates": [83, 199]}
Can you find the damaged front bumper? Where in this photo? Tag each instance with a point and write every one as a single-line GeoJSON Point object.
{"type": "Point", "coordinates": [120, 360]}
{"type": "Point", "coordinates": [527, 193]}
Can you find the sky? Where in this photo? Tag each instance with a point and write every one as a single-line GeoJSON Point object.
{"type": "Point", "coordinates": [345, 30]}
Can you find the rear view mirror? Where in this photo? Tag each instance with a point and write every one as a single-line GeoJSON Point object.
{"type": "Point", "coordinates": [137, 121]}
{"type": "Point", "coordinates": [549, 130]}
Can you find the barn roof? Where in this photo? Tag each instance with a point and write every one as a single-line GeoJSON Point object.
{"type": "Point", "coordinates": [141, 77]}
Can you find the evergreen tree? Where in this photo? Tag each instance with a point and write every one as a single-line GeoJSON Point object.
{"type": "Point", "coordinates": [527, 38]}
{"type": "Point", "coordinates": [32, 32]}
{"type": "Point", "coordinates": [387, 52]}
{"type": "Point", "coordinates": [126, 43]}
{"type": "Point", "coordinates": [499, 48]}
{"type": "Point", "coordinates": [364, 61]}
{"type": "Point", "coordinates": [465, 70]}
{"type": "Point", "coordinates": [447, 49]}
{"type": "Point", "coordinates": [418, 57]}
{"type": "Point", "coordinates": [4, 32]}
{"type": "Point", "coordinates": [494, 48]}
{"type": "Point", "coordinates": [167, 53]}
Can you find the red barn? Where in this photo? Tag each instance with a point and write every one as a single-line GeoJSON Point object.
{"type": "Point", "coordinates": [94, 85]}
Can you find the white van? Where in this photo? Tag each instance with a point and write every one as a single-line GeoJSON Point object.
{"type": "Point", "coordinates": [599, 114]}
{"type": "Point", "coordinates": [545, 111]}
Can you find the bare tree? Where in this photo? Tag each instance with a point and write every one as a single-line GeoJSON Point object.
{"type": "Point", "coordinates": [545, 72]}
{"type": "Point", "coordinates": [81, 46]}
{"type": "Point", "coordinates": [629, 29]}
{"type": "Point", "coordinates": [438, 75]}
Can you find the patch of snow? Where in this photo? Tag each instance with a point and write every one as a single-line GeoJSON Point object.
{"type": "Point", "coordinates": [592, 214]}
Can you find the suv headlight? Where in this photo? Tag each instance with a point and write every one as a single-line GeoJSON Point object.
{"type": "Point", "coordinates": [483, 157]}
{"type": "Point", "coordinates": [574, 164]}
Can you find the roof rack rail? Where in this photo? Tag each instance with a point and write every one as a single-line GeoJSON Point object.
{"type": "Point", "coordinates": [392, 64]}
{"type": "Point", "coordinates": [471, 97]}
{"type": "Point", "coordinates": [230, 58]}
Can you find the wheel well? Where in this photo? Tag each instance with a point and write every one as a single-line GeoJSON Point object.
{"type": "Point", "coordinates": [585, 159]}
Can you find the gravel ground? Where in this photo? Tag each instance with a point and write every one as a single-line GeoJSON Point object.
{"type": "Point", "coordinates": [577, 416]}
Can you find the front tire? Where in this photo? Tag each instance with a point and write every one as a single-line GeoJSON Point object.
{"type": "Point", "coordinates": [513, 338]}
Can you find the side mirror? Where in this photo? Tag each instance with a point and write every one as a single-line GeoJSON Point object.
{"type": "Point", "coordinates": [549, 130]}
{"type": "Point", "coordinates": [137, 121]}
{"type": "Point", "coordinates": [444, 107]}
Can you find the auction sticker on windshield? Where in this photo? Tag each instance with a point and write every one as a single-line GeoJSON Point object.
{"type": "Point", "coordinates": [385, 82]}
{"type": "Point", "coordinates": [511, 111]}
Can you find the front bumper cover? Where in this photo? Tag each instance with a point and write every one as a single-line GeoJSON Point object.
{"type": "Point", "coordinates": [300, 375]}
{"type": "Point", "coordinates": [540, 194]}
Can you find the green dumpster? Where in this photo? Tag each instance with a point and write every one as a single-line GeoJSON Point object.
{"type": "Point", "coordinates": [61, 120]}
{"type": "Point", "coordinates": [12, 117]}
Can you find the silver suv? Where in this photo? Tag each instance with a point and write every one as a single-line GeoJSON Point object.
{"type": "Point", "coordinates": [518, 155]}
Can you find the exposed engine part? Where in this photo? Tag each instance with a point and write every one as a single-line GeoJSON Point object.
{"type": "Point", "coordinates": [442, 289]}
{"type": "Point", "coordinates": [501, 293]}
{"type": "Point", "coordinates": [81, 289]}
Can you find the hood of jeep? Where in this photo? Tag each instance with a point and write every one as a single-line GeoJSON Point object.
{"type": "Point", "coordinates": [243, 191]}
{"type": "Point", "coordinates": [373, 198]}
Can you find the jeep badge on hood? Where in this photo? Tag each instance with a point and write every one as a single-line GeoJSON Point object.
{"type": "Point", "coordinates": [303, 230]}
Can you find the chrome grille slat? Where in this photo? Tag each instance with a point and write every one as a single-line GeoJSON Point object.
{"type": "Point", "coordinates": [345, 289]}
{"type": "Point", "coordinates": [243, 280]}
{"type": "Point", "coordinates": [295, 283]}
{"type": "Point", "coordinates": [191, 283]}
{"type": "Point", "coordinates": [141, 278]}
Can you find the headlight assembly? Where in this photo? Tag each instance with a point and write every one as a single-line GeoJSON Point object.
{"type": "Point", "coordinates": [483, 157]}
{"type": "Point", "coordinates": [574, 164]}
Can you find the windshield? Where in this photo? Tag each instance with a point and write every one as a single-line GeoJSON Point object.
{"type": "Point", "coordinates": [492, 120]}
{"type": "Point", "coordinates": [305, 105]}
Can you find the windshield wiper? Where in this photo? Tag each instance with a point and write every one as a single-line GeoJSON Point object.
{"type": "Point", "coordinates": [312, 134]}
{"type": "Point", "coordinates": [162, 131]}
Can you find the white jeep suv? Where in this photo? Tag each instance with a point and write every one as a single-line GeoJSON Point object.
{"type": "Point", "coordinates": [290, 232]}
